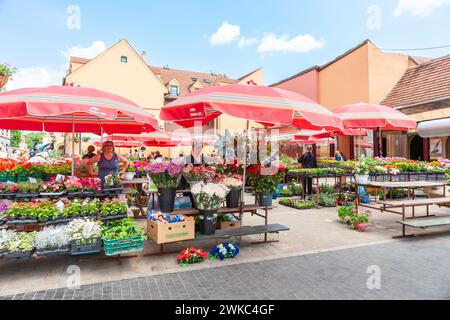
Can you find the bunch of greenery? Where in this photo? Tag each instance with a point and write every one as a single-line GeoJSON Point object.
{"type": "Point", "coordinates": [122, 229]}
{"type": "Point", "coordinates": [113, 207]}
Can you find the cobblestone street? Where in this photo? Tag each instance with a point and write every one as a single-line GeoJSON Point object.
{"type": "Point", "coordinates": [410, 269]}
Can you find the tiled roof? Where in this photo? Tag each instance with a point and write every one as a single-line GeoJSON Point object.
{"type": "Point", "coordinates": [427, 82]}
{"type": "Point", "coordinates": [420, 60]}
{"type": "Point", "coordinates": [79, 60]}
{"type": "Point", "coordinates": [188, 78]}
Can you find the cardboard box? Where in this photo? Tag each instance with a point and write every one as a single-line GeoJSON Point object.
{"type": "Point", "coordinates": [170, 232]}
{"type": "Point", "coordinates": [228, 224]}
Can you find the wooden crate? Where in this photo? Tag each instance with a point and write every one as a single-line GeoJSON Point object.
{"type": "Point", "coordinates": [170, 232]}
{"type": "Point", "coordinates": [222, 225]}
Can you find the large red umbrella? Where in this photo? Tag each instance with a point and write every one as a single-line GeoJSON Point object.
{"type": "Point", "coordinates": [72, 109]}
{"type": "Point", "coordinates": [266, 105]}
{"type": "Point", "coordinates": [313, 141]}
{"type": "Point", "coordinates": [375, 117]}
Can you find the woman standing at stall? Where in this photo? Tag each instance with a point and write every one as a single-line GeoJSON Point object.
{"type": "Point", "coordinates": [108, 161]}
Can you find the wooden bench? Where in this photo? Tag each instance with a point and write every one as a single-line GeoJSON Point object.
{"type": "Point", "coordinates": [234, 232]}
{"type": "Point", "coordinates": [414, 221]}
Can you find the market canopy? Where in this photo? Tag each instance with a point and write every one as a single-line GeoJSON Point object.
{"type": "Point", "coordinates": [313, 141]}
{"type": "Point", "coordinates": [266, 105]}
{"type": "Point", "coordinates": [373, 116]}
{"type": "Point", "coordinates": [434, 128]}
{"type": "Point", "coordinates": [72, 109]}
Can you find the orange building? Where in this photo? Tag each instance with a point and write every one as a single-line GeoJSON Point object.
{"type": "Point", "coordinates": [362, 74]}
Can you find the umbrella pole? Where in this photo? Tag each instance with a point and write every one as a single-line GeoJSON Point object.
{"type": "Point", "coordinates": [380, 143]}
{"type": "Point", "coordinates": [73, 146]}
{"type": "Point", "coordinates": [245, 166]}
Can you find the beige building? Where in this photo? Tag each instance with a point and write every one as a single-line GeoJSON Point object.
{"type": "Point", "coordinates": [122, 71]}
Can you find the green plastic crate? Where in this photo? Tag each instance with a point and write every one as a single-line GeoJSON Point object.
{"type": "Point", "coordinates": [115, 247]}
{"type": "Point", "coordinates": [22, 177]}
{"type": "Point", "coordinates": [5, 177]}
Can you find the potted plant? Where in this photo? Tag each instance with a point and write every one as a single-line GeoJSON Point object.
{"type": "Point", "coordinates": [328, 199]}
{"type": "Point", "coordinates": [122, 236]}
{"type": "Point", "coordinates": [112, 184]}
{"type": "Point", "coordinates": [5, 237]}
{"type": "Point", "coordinates": [84, 236]}
{"type": "Point", "coordinates": [130, 173]}
{"type": "Point", "coordinates": [73, 186]}
{"type": "Point", "coordinates": [91, 186]}
{"type": "Point", "coordinates": [20, 245]}
{"type": "Point", "coordinates": [113, 208]}
{"type": "Point", "coordinates": [52, 189]}
{"type": "Point", "coordinates": [361, 171]}
{"type": "Point", "coordinates": [28, 190]}
{"type": "Point", "coordinates": [90, 208]}
{"type": "Point", "coordinates": [8, 190]}
{"type": "Point", "coordinates": [208, 199]}
{"type": "Point", "coordinates": [234, 183]}
{"type": "Point", "coordinates": [22, 213]}
{"type": "Point", "coordinates": [265, 183]}
{"type": "Point", "coordinates": [6, 72]}
{"type": "Point", "coordinates": [167, 177]}
{"type": "Point", "coordinates": [47, 211]}
{"type": "Point", "coordinates": [52, 241]}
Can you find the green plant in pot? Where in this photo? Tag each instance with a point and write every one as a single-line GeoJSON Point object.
{"type": "Point", "coordinates": [6, 72]}
{"type": "Point", "coordinates": [265, 183]}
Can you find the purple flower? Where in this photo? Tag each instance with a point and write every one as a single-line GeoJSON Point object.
{"type": "Point", "coordinates": [173, 169]}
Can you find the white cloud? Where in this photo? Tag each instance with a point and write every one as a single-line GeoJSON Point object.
{"type": "Point", "coordinates": [421, 8]}
{"type": "Point", "coordinates": [301, 43]}
{"type": "Point", "coordinates": [91, 52]}
{"type": "Point", "coordinates": [227, 33]}
{"type": "Point", "coordinates": [36, 77]}
{"type": "Point", "coordinates": [247, 42]}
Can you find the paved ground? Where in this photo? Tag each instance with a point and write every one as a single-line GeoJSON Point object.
{"type": "Point", "coordinates": [412, 269]}
{"type": "Point", "coordinates": [311, 232]}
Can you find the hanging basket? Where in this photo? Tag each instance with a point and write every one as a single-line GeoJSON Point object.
{"type": "Point", "coordinates": [3, 81]}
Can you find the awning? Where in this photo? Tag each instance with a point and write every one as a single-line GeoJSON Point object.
{"type": "Point", "coordinates": [434, 128]}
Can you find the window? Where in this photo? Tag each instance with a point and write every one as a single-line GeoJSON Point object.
{"type": "Point", "coordinates": [194, 79]}
{"type": "Point", "coordinates": [206, 81]}
{"type": "Point", "coordinates": [174, 91]}
{"type": "Point", "coordinates": [124, 59]}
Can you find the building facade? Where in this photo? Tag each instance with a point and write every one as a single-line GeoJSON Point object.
{"type": "Point", "coordinates": [122, 71]}
{"type": "Point", "coordinates": [423, 93]}
{"type": "Point", "coordinates": [362, 74]}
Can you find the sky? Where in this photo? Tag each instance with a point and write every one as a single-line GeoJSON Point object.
{"type": "Point", "coordinates": [224, 36]}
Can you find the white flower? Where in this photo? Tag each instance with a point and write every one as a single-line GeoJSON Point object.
{"type": "Point", "coordinates": [232, 183]}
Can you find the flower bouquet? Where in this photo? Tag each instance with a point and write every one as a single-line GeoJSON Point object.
{"type": "Point", "coordinates": [190, 256]}
{"type": "Point", "coordinates": [234, 183]}
{"type": "Point", "coordinates": [224, 251]}
{"type": "Point", "coordinates": [167, 177]}
{"type": "Point", "coordinates": [198, 174]}
{"type": "Point", "coordinates": [208, 199]}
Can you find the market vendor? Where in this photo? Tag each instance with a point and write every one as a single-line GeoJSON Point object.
{"type": "Point", "coordinates": [109, 161]}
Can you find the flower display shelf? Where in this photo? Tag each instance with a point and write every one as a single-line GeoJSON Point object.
{"type": "Point", "coordinates": [52, 195]}
{"type": "Point", "coordinates": [48, 252]}
{"type": "Point", "coordinates": [27, 195]}
{"type": "Point", "coordinates": [116, 247]}
{"type": "Point", "coordinates": [85, 247]}
{"type": "Point", "coordinates": [111, 191]}
{"type": "Point", "coordinates": [73, 194]}
{"type": "Point", "coordinates": [114, 217]}
{"type": "Point", "coordinates": [7, 196]}
{"type": "Point", "coordinates": [18, 255]}
{"type": "Point", "coordinates": [57, 221]}
{"type": "Point", "coordinates": [23, 177]}
{"type": "Point", "coordinates": [22, 221]}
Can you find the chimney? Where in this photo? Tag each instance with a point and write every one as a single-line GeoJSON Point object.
{"type": "Point", "coordinates": [144, 56]}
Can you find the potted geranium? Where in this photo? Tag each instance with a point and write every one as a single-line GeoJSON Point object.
{"type": "Point", "coordinates": [167, 177]}
{"type": "Point", "coordinates": [112, 184]}
{"type": "Point", "coordinates": [6, 72]}
{"type": "Point", "coordinates": [361, 171]}
{"type": "Point", "coordinates": [91, 186]}
{"type": "Point", "coordinates": [234, 183]}
{"type": "Point", "coordinates": [208, 199]}
{"type": "Point", "coordinates": [52, 189]}
{"type": "Point", "coordinates": [73, 186]}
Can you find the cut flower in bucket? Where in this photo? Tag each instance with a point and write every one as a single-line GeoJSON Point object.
{"type": "Point", "coordinates": [209, 196]}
